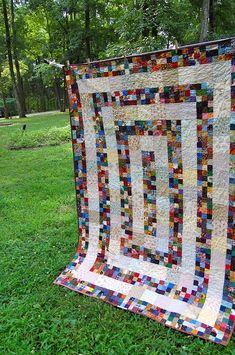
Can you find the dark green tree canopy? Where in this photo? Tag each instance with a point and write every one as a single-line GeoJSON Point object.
{"type": "Point", "coordinates": [95, 29]}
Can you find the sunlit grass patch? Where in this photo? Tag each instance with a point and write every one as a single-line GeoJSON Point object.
{"type": "Point", "coordinates": [40, 138]}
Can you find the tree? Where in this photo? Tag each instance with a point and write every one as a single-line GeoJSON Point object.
{"type": "Point", "coordinates": [73, 30]}
{"type": "Point", "coordinates": [3, 94]}
{"type": "Point", "coordinates": [87, 28]}
{"type": "Point", "coordinates": [205, 20]}
{"type": "Point", "coordinates": [17, 65]}
{"type": "Point", "coordinates": [3, 89]}
{"type": "Point", "coordinates": [147, 25]}
{"type": "Point", "coordinates": [217, 18]}
{"type": "Point", "coordinates": [16, 87]}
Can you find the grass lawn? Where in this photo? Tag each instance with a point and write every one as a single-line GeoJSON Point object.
{"type": "Point", "coordinates": [38, 236]}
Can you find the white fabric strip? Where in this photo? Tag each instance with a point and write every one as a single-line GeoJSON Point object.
{"type": "Point", "coordinates": [158, 144]}
{"type": "Point", "coordinates": [137, 188]}
{"type": "Point", "coordinates": [92, 189]}
{"type": "Point", "coordinates": [221, 149]}
{"type": "Point", "coordinates": [189, 159]}
{"type": "Point", "coordinates": [114, 184]}
{"type": "Point", "coordinates": [157, 111]}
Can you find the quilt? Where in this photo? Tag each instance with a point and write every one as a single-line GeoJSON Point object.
{"type": "Point", "coordinates": [153, 147]}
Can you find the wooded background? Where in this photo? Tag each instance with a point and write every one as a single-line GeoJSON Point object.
{"type": "Point", "coordinates": [73, 30]}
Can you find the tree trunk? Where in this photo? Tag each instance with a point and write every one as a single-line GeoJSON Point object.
{"type": "Point", "coordinates": [42, 96]}
{"type": "Point", "coordinates": [2, 93]}
{"type": "Point", "coordinates": [5, 108]}
{"type": "Point", "coordinates": [65, 95]}
{"type": "Point", "coordinates": [6, 111]}
{"type": "Point", "coordinates": [205, 20]}
{"type": "Point", "coordinates": [10, 60]}
{"type": "Point", "coordinates": [48, 27]}
{"type": "Point", "coordinates": [87, 29]}
{"type": "Point", "coordinates": [144, 5]}
{"type": "Point", "coordinates": [212, 17]}
{"type": "Point", "coordinates": [59, 99]}
{"type": "Point", "coordinates": [17, 66]}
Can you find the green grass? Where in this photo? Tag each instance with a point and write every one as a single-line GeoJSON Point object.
{"type": "Point", "coordinates": [38, 236]}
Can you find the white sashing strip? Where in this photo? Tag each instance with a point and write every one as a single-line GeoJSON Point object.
{"type": "Point", "coordinates": [169, 111]}
{"type": "Point", "coordinates": [92, 189]}
{"type": "Point", "coordinates": [221, 149]}
{"type": "Point", "coordinates": [189, 159]}
{"type": "Point", "coordinates": [89, 86]}
{"type": "Point", "coordinates": [137, 188]}
{"type": "Point", "coordinates": [114, 183]}
{"type": "Point", "coordinates": [210, 310]}
{"type": "Point", "coordinates": [159, 146]}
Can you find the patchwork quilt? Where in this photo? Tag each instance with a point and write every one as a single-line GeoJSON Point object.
{"type": "Point", "coordinates": [153, 146]}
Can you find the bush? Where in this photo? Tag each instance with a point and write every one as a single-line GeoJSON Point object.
{"type": "Point", "coordinates": [41, 138]}
{"type": "Point", "coordinates": [11, 105]}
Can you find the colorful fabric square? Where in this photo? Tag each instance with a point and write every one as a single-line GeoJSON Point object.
{"type": "Point", "coordinates": [153, 142]}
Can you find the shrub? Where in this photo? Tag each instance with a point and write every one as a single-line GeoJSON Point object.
{"type": "Point", "coordinates": [11, 104]}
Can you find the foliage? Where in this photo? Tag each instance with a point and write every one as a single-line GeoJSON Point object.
{"type": "Point", "coordinates": [39, 138]}
{"type": "Point", "coordinates": [148, 25]}
{"type": "Point", "coordinates": [11, 104]}
{"type": "Point", "coordinates": [71, 30]}
{"type": "Point", "coordinates": [38, 234]}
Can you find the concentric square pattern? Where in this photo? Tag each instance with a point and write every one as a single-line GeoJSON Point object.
{"type": "Point", "coordinates": [153, 149]}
